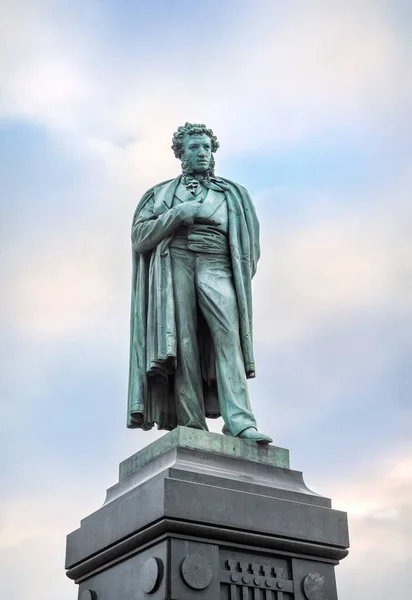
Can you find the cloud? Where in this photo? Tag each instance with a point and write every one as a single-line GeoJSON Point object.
{"type": "Point", "coordinates": [333, 318]}
{"type": "Point", "coordinates": [378, 501]}
{"type": "Point", "coordinates": [305, 68]}
{"type": "Point", "coordinates": [66, 293]}
{"type": "Point", "coordinates": [33, 529]}
{"type": "Point", "coordinates": [333, 260]}
{"type": "Point", "coordinates": [42, 75]}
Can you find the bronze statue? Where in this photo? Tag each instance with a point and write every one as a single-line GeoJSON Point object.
{"type": "Point", "coordinates": [195, 250]}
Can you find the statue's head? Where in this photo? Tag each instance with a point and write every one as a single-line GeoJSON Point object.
{"type": "Point", "coordinates": [194, 144]}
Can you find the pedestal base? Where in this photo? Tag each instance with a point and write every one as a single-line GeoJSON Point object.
{"type": "Point", "coordinates": [198, 515]}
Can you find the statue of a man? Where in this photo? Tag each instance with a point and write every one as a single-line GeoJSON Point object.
{"type": "Point", "coordinates": [195, 250]}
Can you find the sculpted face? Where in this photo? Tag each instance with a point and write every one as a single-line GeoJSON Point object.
{"type": "Point", "coordinates": [197, 152]}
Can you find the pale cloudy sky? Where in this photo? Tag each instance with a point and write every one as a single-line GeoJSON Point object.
{"type": "Point", "coordinates": [311, 101]}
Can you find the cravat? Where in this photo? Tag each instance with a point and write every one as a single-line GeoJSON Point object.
{"type": "Point", "coordinates": [211, 183]}
{"type": "Point", "coordinates": [192, 185]}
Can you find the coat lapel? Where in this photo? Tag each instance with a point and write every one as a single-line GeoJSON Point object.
{"type": "Point", "coordinates": [183, 194]}
{"type": "Point", "coordinates": [164, 194]}
{"type": "Point", "coordinates": [211, 203]}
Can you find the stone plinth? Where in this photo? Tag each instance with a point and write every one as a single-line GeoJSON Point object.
{"type": "Point", "coordinates": [197, 515]}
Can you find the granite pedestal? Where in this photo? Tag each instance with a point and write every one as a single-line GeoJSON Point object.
{"type": "Point", "coordinates": [197, 515]}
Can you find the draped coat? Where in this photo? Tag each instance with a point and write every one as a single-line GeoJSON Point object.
{"type": "Point", "coordinates": [153, 341]}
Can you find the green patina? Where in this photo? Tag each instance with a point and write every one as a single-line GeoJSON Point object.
{"type": "Point", "coordinates": [195, 251]}
{"type": "Point", "coordinates": [204, 441]}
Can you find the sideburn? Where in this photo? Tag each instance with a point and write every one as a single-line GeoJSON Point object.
{"type": "Point", "coordinates": [187, 170]}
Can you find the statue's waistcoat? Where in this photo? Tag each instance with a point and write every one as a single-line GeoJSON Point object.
{"type": "Point", "coordinates": [209, 231]}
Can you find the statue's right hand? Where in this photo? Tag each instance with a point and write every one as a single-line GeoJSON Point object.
{"type": "Point", "coordinates": [188, 211]}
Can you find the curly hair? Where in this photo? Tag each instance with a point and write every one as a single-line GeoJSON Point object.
{"type": "Point", "coordinates": [191, 129]}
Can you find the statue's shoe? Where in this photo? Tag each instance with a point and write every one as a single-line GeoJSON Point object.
{"type": "Point", "coordinates": [251, 433]}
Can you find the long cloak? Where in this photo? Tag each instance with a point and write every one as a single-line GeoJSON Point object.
{"type": "Point", "coordinates": [153, 343]}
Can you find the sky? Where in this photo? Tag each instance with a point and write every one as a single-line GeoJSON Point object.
{"type": "Point", "coordinates": [311, 101]}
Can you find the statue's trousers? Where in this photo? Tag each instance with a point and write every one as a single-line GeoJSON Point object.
{"type": "Point", "coordinates": [204, 282]}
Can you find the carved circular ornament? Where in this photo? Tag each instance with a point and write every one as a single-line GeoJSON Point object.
{"type": "Point", "coordinates": [196, 572]}
{"type": "Point", "coordinates": [88, 595]}
{"type": "Point", "coordinates": [313, 586]}
{"type": "Point", "coordinates": [151, 575]}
